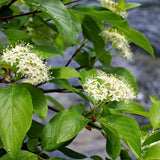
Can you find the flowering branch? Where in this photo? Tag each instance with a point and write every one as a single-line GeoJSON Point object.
{"type": "Point", "coordinates": [75, 53]}
{"type": "Point", "coordinates": [19, 15]}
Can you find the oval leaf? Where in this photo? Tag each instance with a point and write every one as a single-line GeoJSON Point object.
{"type": "Point", "coordinates": [47, 51]}
{"type": "Point", "coordinates": [152, 152]}
{"type": "Point", "coordinates": [15, 117]}
{"type": "Point", "coordinates": [154, 115]}
{"type": "Point", "coordinates": [70, 153]}
{"type": "Point", "coordinates": [128, 130]}
{"type": "Point", "coordinates": [113, 145]}
{"type": "Point", "coordinates": [129, 107]}
{"type": "Point", "coordinates": [38, 99]}
{"type": "Point", "coordinates": [22, 155]}
{"type": "Point", "coordinates": [152, 138]}
{"type": "Point", "coordinates": [64, 19]}
{"type": "Point", "coordinates": [64, 72]}
{"type": "Point", "coordinates": [61, 128]}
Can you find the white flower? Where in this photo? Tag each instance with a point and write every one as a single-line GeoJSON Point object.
{"type": "Point", "coordinates": [107, 87]}
{"type": "Point", "coordinates": [27, 63]}
{"type": "Point", "coordinates": [113, 6]}
{"type": "Point", "coordinates": [119, 41]}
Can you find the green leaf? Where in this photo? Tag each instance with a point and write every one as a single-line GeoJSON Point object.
{"type": "Point", "coordinates": [153, 99]}
{"type": "Point", "coordinates": [123, 74]}
{"type": "Point", "coordinates": [154, 115]}
{"type": "Point", "coordinates": [91, 31]}
{"type": "Point", "coordinates": [101, 14]}
{"type": "Point", "coordinates": [56, 103]}
{"type": "Point", "coordinates": [1, 144]}
{"type": "Point", "coordinates": [64, 72]}
{"type": "Point", "coordinates": [36, 130]}
{"type": "Point", "coordinates": [95, 157]}
{"type": "Point", "coordinates": [151, 138]}
{"type": "Point", "coordinates": [61, 128]}
{"type": "Point", "coordinates": [124, 155]}
{"type": "Point", "coordinates": [22, 155]}
{"type": "Point", "coordinates": [1, 71]}
{"type": "Point", "coordinates": [152, 153]}
{"type": "Point", "coordinates": [85, 59]}
{"type": "Point", "coordinates": [15, 117]}
{"type": "Point", "coordinates": [46, 32]}
{"type": "Point", "coordinates": [139, 39]}
{"type": "Point", "coordinates": [38, 99]}
{"type": "Point", "coordinates": [14, 35]}
{"type": "Point", "coordinates": [146, 127]}
{"type": "Point", "coordinates": [70, 153]}
{"type": "Point", "coordinates": [128, 130]}
{"type": "Point", "coordinates": [106, 59]}
{"type": "Point", "coordinates": [131, 5]}
{"type": "Point", "coordinates": [125, 6]}
{"type": "Point", "coordinates": [64, 83]}
{"type": "Point", "coordinates": [129, 107]}
{"type": "Point", "coordinates": [32, 144]}
{"type": "Point", "coordinates": [78, 108]}
{"type": "Point", "coordinates": [4, 2]}
{"type": "Point", "coordinates": [121, 3]}
{"type": "Point", "coordinates": [47, 51]}
{"type": "Point", "coordinates": [63, 18]}
{"type": "Point", "coordinates": [113, 145]}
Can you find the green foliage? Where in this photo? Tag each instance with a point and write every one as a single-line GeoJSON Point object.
{"type": "Point", "coordinates": [22, 155]}
{"type": "Point", "coordinates": [64, 72]}
{"type": "Point", "coordinates": [55, 28]}
{"type": "Point", "coordinates": [61, 128]}
{"type": "Point", "coordinates": [128, 130]}
{"type": "Point", "coordinates": [154, 115]}
{"type": "Point", "coordinates": [64, 20]}
{"type": "Point", "coordinates": [15, 117]}
{"type": "Point", "coordinates": [38, 100]}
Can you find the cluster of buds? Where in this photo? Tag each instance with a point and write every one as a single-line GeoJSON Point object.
{"type": "Point", "coordinates": [119, 41]}
{"type": "Point", "coordinates": [107, 87]}
{"type": "Point", "coordinates": [28, 64]}
{"type": "Point", "coordinates": [113, 6]}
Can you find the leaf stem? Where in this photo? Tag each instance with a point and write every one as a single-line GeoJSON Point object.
{"type": "Point", "coordinates": [18, 15]}
{"type": "Point", "coordinates": [76, 51]}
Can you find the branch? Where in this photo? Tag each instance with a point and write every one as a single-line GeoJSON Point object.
{"type": "Point", "coordinates": [7, 6]}
{"type": "Point", "coordinates": [53, 109]}
{"type": "Point", "coordinates": [18, 15]}
{"type": "Point", "coordinates": [61, 90]}
{"type": "Point", "coordinates": [76, 51]}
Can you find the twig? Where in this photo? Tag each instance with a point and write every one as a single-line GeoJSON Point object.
{"type": "Point", "coordinates": [76, 51]}
{"type": "Point", "coordinates": [18, 15]}
{"type": "Point", "coordinates": [61, 90]}
{"type": "Point", "coordinates": [7, 6]}
{"type": "Point", "coordinates": [53, 109]}
{"type": "Point", "coordinates": [72, 2]}
{"type": "Point", "coordinates": [78, 68]}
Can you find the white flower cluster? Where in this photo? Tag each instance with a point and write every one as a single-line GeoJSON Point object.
{"type": "Point", "coordinates": [113, 6]}
{"type": "Point", "coordinates": [107, 87]}
{"type": "Point", "coordinates": [27, 63]}
{"type": "Point", "coordinates": [119, 41]}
